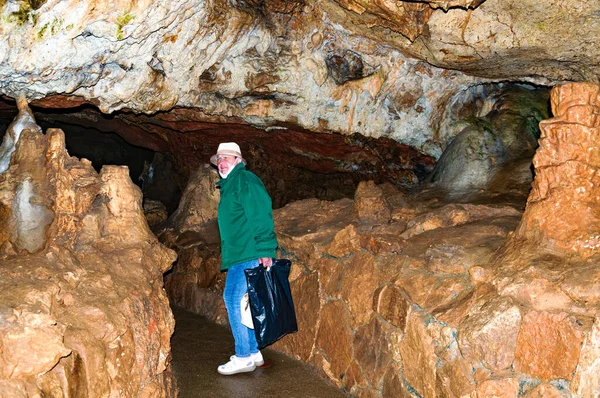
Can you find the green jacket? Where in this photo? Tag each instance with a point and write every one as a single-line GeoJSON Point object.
{"type": "Point", "coordinates": [245, 218]}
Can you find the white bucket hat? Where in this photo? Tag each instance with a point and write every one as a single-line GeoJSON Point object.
{"type": "Point", "coordinates": [227, 148]}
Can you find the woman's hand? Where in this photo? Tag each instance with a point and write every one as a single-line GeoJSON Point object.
{"type": "Point", "coordinates": [266, 262]}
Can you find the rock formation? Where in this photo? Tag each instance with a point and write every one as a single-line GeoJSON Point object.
{"type": "Point", "coordinates": [406, 295]}
{"type": "Point", "coordinates": [494, 147]}
{"type": "Point", "coordinates": [567, 182]}
{"type": "Point", "coordinates": [83, 311]}
{"type": "Point", "coordinates": [398, 294]}
{"type": "Point", "coordinates": [381, 69]}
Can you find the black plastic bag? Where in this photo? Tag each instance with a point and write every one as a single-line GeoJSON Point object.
{"type": "Point", "coordinates": [271, 302]}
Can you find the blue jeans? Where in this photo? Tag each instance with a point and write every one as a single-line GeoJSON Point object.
{"type": "Point", "coordinates": [235, 288]}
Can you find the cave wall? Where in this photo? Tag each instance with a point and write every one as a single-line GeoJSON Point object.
{"type": "Point", "coordinates": [280, 70]}
{"type": "Point", "coordinates": [380, 70]}
{"type": "Point", "coordinates": [82, 306]}
{"type": "Point", "coordinates": [408, 295]}
{"type": "Point", "coordinates": [295, 164]}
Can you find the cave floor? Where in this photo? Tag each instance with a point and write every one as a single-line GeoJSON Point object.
{"type": "Point", "coordinates": [199, 346]}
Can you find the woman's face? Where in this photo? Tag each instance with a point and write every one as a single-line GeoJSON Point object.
{"type": "Point", "coordinates": [226, 163]}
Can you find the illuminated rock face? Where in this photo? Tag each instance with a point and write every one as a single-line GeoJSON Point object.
{"type": "Point", "coordinates": [398, 295]}
{"type": "Point", "coordinates": [563, 210]}
{"type": "Point", "coordinates": [381, 69]}
{"type": "Point", "coordinates": [82, 305]}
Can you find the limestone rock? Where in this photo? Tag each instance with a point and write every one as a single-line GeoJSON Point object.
{"type": "Point", "coordinates": [307, 303]}
{"type": "Point", "coordinates": [418, 356]}
{"type": "Point", "coordinates": [406, 18]}
{"type": "Point", "coordinates": [486, 143]}
{"type": "Point", "coordinates": [139, 57]}
{"type": "Point", "coordinates": [489, 334]}
{"type": "Point", "coordinates": [454, 214]}
{"type": "Point", "coordinates": [28, 351]}
{"type": "Point", "coordinates": [586, 381]}
{"type": "Point", "coordinates": [370, 204]}
{"type": "Point", "coordinates": [392, 383]}
{"type": "Point", "coordinates": [385, 238]}
{"type": "Point", "coordinates": [458, 309]}
{"type": "Point", "coordinates": [335, 342]}
{"type": "Point", "coordinates": [194, 221]}
{"type": "Point", "coordinates": [566, 183]}
{"type": "Point", "coordinates": [515, 26]}
{"type": "Point", "coordinates": [455, 378]}
{"type": "Point", "coordinates": [390, 303]}
{"type": "Point", "coordinates": [155, 212]}
{"type": "Point", "coordinates": [354, 281]}
{"type": "Point", "coordinates": [546, 390]}
{"type": "Point", "coordinates": [447, 259]}
{"type": "Point", "coordinates": [197, 283]}
{"type": "Point", "coordinates": [535, 285]}
{"type": "Point", "coordinates": [549, 345]}
{"type": "Point", "coordinates": [82, 304]}
{"type": "Point", "coordinates": [306, 236]}
{"type": "Point", "coordinates": [344, 243]}
{"type": "Point", "coordinates": [468, 161]}
{"type": "Point", "coordinates": [371, 349]}
{"type": "Point", "coordinates": [499, 388]}
{"type": "Point", "coordinates": [24, 121]}
{"type": "Point", "coordinates": [356, 384]}
{"type": "Point", "coordinates": [432, 291]}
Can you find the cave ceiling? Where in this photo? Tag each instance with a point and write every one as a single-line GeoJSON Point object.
{"type": "Point", "coordinates": [181, 76]}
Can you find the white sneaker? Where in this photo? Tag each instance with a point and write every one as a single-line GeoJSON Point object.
{"type": "Point", "coordinates": [257, 358]}
{"type": "Point", "coordinates": [236, 365]}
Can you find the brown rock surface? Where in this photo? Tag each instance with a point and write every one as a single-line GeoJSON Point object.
{"type": "Point", "coordinates": [455, 378]}
{"type": "Point", "coordinates": [488, 335]}
{"type": "Point", "coordinates": [546, 390]}
{"type": "Point", "coordinates": [566, 185]}
{"type": "Point", "coordinates": [390, 303]}
{"type": "Point", "coordinates": [392, 383]}
{"type": "Point", "coordinates": [586, 382]}
{"type": "Point", "coordinates": [344, 243]}
{"type": "Point", "coordinates": [155, 212]}
{"type": "Point", "coordinates": [444, 300]}
{"type": "Point", "coordinates": [549, 345]}
{"type": "Point", "coordinates": [372, 351]}
{"type": "Point", "coordinates": [82, 305]}
{"type": "Point", "coordinates": [334, 340]}
{"type": "Point", "coordinates": [354, 281]}
{"type": "Point", "coordinates": [199, 202]}
{"type": "Point", "coordinates": [370, 204]}
{"type": "Point", "coordinates": [499, 388]}
{"type": "Point", "coordinates": [307, 302]}
{"type": "Point", "coordinates": [418, 356]}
